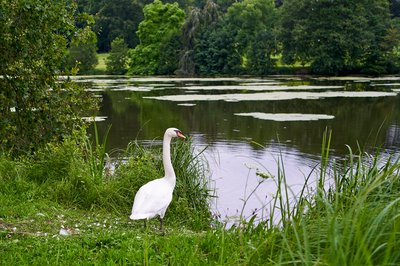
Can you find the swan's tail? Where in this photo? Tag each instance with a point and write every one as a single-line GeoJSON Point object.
{"type": "Point", "coordinates": [134, 217]}
{"type": "Point", "coordinates": [139, 216]}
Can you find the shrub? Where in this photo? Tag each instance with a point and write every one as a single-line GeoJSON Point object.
{"type": "Point", "coordinates": [118, 57]}
{"type": "Point", "coordinates": [82, 52]}
{"type": "Point", "coordinates": [36, 106]}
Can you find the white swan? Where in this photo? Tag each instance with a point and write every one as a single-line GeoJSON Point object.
{"type": "Point", "coordinates": [153, 198]}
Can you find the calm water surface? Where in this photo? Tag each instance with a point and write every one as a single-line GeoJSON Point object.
{"type": "Point", "coordinates": [248, 124]}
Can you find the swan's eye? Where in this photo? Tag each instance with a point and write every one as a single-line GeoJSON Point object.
{"type": "Point", "coordinates": [180, 134]}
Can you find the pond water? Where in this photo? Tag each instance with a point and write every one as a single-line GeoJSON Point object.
{"type": "Point", "coordinates": [249, 124]}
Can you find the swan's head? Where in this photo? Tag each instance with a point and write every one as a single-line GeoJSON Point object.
{"type": "Point", "coordinates": [174, 132]}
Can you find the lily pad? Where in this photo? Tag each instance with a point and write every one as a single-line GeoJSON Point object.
{"type": "Point", "coordinates": [270, 96]}
{"type": "Point", "coordinates": [287, 116]}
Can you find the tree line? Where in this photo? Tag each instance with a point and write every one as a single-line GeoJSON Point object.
{"type": "Point", "coordinates": [252, 37]}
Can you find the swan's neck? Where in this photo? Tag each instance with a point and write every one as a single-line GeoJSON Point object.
{"type": "Point", "coordinates": [169, 170]}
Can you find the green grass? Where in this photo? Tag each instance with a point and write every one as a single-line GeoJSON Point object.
{"type": "Point", "coordinates": [356, 221]}
{"type": "Point", "coordinates": [290, 69]}
{"type": "Point", "coordinates": [101, 66]}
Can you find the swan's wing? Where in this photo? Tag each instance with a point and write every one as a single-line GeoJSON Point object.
{"type": "Point", "coordinates": [151, 199]}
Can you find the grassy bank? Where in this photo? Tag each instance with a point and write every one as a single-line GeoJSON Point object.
{"type": "Point", "coordinates": [57, 208]}
{"type": "Point", "coordinates": [101, 66]}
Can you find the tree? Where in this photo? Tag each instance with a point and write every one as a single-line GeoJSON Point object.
{"type": "Point", "coordinates": [215, 52]}
{"type": "Point", "coordinates": [117, 19]}
{"type": "Point", "coordinates": [391, 47]}
{"type": "Point", "coordinates": [83, 51]}
{"type": "Point", "coordinates": [254, 23]}
{"type": "Point", "coordinates": [197, 21]}
{"type": "Point", "coordinates": [35, 106]}
{"type": "Point", "coordinates": [243, 41]}
{"type": "Point", "coordinates": [161, 24]}
{"type": "Point", "coordinates": [395, 8]}
{"type": "Point", "coordinates": [118, 58]}
{"type": "Point", "coordinates": [334, 36]}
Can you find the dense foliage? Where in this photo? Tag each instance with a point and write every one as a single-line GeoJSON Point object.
{"type": "Point", "coordinates": [114, 19]}
{"type": "Point", "coordinates": [35, 106]}
{"type": "Point", "coordinates": [117, 60]}
{"type": "Point", "coordinates": [256, 36]}
{"type": "Point", "coordinates": [338, 36]}
{"type": "Point", "coordinates": [82, 53]}
{"type": "Point", "coordinates": [157, 32]}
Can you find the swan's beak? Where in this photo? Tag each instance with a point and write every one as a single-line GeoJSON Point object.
{"type": "Point", "coordinates": [180, 134]}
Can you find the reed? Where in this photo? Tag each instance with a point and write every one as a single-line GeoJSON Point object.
{"type": "Point", "coordinates": [96, 153]}
{"type": "Point", "coordinates": [352, 221]}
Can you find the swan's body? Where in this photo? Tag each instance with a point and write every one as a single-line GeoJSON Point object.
{"type": "Point", "coordinates": [153, 198]}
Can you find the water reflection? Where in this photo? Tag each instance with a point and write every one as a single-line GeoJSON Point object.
{"type": "Point", "coordinates": [138, 108]}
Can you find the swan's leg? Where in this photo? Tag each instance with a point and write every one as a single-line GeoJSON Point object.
{"type": "Point", "coordinates": [161, 223]}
